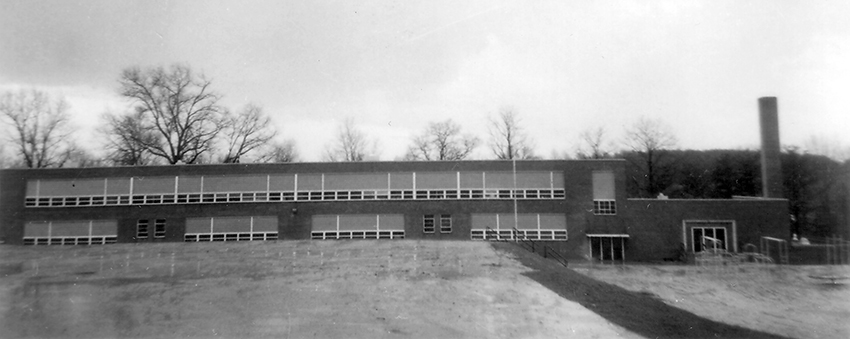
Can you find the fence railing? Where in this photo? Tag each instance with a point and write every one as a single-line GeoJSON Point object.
{"type": "Point", "coordinates": [521, 240]}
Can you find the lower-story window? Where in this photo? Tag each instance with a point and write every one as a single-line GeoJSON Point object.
{"type": "Point", "coordinates": [428, 223]}
{"type": "Point", "coordinates": [159, 228]}
{"type": "Point", "coordinates": [142, 229]}
{"type": "Point", "coordinates": [73, 232]}
{"type": "Point", "coordinates": [235, 228]}
{"type": "Point", "coordinates": [446, 223]}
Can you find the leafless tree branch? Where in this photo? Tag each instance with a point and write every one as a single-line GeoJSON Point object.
{"type": "Point", "coordinates": [39, 127]}
{"type": "Point", "coordinates": [441, 141]}
{"type": "Point", "coordinates": [592, 144]}
{"type": "Point", "coordinates": [280, 152]}
{"type": "Point", "coordinates": [507, 138]}
{"type": "Point", "coordinates": [178, 107]}
{"type": "Point", "coordinates": [649, 138]}
{"type": "Point", "coordinates": [247, 131]}
{"type": "Point", "coordinates": [351, 144]}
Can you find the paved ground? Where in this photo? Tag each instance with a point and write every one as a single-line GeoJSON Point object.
{"type": "Point", "coordinates": [286, 289]}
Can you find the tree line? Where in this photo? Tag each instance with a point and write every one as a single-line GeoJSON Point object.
{"type": "Point", "coordinates": [176, 118]}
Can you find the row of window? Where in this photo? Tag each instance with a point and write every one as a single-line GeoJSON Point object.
{"type": "Point", "coordinates": [210, 198]}
{"type": "Point", "coordinates": [508, 234]}
{"type": "Point", "coordinates": [69, 240]}
{"type": "Point", "coordinates": [325, 235]}
{"type": "Point", "coordinates": [250, 236]}
{"type": "Point", "coordinates": [363, 181]}
{"type": "Point", "coordinates": [477, 234]}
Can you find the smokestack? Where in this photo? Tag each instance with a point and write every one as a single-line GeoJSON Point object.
{"type": "Point", "coordinates": [771, 168]}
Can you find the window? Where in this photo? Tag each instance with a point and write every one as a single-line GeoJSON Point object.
{"type": "Point", "coordinates": [229, 228]}
{"type": "Point", "coordinates": [428, 223]}
{"type": "Point", "coordinates": [446, 223]}
{"type": "Point", "coordinates": [395, 194]}
{"type": "Point", "coordinates": [142, 229]}
{"type": "Point", "coordinates": [604, 202]}
{"type": "Point", "coordinates": [159, 228]}
{"type": "Point", "coordinates": [604, 207]}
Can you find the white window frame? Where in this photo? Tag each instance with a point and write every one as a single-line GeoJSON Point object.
{"type": "Point", "coordinates": [429, 223]}
{"type": "Point", "coordinates": [142, 229]}
{"type": "Point", "coordinates": [445, 223]}
{"type": "Point", "coordinates": [604, 207]}
{"type": "Point", "coordinates": [159, 228]}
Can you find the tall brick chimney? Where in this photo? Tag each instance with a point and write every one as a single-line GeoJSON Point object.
{"type": "Point", "coordinates": [771, 168]}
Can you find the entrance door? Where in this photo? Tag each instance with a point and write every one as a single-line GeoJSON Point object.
{"type": "Point", "coordinates": [709, 238]}
{"type": "Point", "coordinates": [608, 247]}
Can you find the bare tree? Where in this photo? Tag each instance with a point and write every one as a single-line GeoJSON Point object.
{"type": "Point", "coordinates": [39, 127]}
{"type": "Point", "coordinates": [280, 152]}
{"type": "Point", "coordinates": [247, 131]}
{"type": "Point", "coordinates": [441, 141]}
{"type": "Point", "coordinates": [126, 139]}
{"type": "Point", "coordinates": [649, 138]}
{"type": "Point", "coordinates": [79, 157]}
{"type": "Point", "coordinates": [178, 107]}
{"type": "Point", "coordinates": [507, 139]}
{"type": "Point", "coordinates": [592, 144]}
{"type": "Point", "coordinates": [350, 145]}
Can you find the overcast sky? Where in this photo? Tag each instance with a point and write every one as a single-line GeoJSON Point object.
{"type": "Point", "coordinates": [394, 66]}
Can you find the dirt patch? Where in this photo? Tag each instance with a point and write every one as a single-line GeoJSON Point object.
{"type": "Point", "coordinates": [286, 289]}
{"type": "Point", "coordinates": [11, 269]}
{"type": "Point", "coordinates": [640, 311]}
{"type": "Point", "coordinates": [783, 300]}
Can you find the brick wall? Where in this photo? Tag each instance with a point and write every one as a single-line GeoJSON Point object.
{"type": "Point", "coordinates": [655, 226]}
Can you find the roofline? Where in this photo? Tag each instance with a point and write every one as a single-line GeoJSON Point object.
{"type": "Point", "coordinates": [733, 199]}
{"type": "Point", "coordinates": [313, 163]}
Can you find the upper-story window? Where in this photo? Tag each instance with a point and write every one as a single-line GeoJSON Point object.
{"type": "Point", "coordinates": [302, 187]}
{"type": "Point", "coordinates": [604, 201]}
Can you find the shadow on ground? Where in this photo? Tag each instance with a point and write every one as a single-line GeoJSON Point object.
{"type": "Point", "coordinates": [640, 313]}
